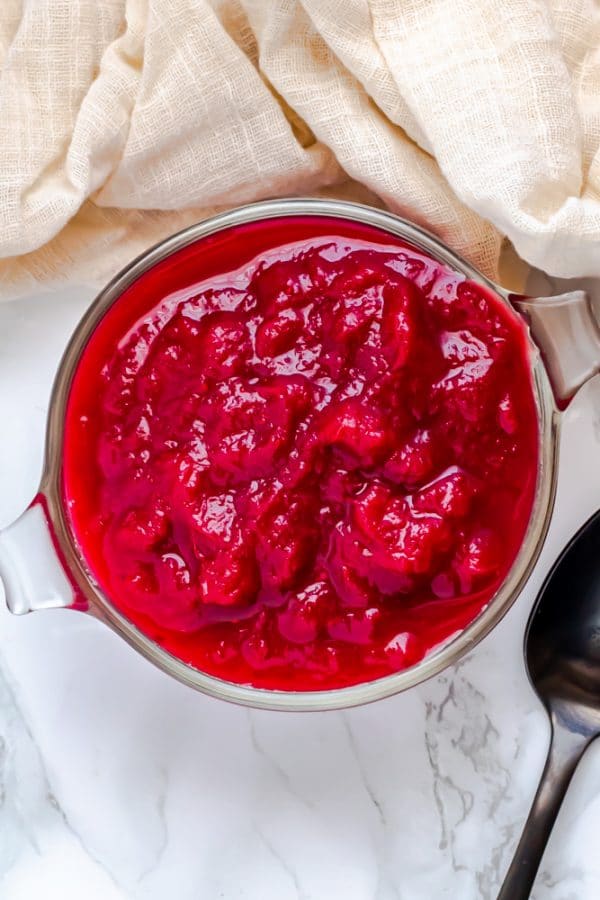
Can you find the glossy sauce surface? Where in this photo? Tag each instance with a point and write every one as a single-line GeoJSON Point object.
{"type": "Point", "coordinates": [300, 454]}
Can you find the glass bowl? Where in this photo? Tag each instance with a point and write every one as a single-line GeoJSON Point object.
{"type": "Point", "coordinates": [41, 566]}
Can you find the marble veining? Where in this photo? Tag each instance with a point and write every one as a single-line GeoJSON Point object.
{"type": "Point", "coordinates": [116, 782]}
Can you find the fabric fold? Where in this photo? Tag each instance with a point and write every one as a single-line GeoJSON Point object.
{"type": "Point", "coordinates": [122, 121]}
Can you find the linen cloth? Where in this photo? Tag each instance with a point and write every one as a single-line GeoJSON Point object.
{"type": "Point", "coordinates": [124, 120]}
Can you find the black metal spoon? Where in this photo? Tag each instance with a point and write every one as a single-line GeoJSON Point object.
{"type": "Point", "coordinates": [562, 655]}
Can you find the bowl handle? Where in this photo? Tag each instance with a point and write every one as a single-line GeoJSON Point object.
{"type": "Point", "coordinates": [566, 331]}
{"type": "Point", "coordinates": [30, 569]}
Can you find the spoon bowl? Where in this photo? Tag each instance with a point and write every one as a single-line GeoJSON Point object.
{"type": "Point", "coordinates": [563, 637]}
{"type": "Point", "coordinates": [562, 656]}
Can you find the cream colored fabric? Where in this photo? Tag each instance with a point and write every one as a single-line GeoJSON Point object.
{"type": "Point", "coordinates": [123, 120]}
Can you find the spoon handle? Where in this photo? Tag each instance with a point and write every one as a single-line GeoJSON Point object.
{"type": "Point", "coordinates": [566, 749]}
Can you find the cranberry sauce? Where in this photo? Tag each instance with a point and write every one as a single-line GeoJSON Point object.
{"type": "Point", "coordinates": [300, 454]}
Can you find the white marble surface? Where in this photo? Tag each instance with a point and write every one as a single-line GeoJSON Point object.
{"type": "Point", "coordinates": [116, 782]}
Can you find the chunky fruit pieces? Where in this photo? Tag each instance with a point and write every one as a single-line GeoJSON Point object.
{"type": "Point", "coordinates": [307, 474]}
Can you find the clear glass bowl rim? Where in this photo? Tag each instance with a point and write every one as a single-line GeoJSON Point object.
{"type": "Point", "coordinates": [100, 605]}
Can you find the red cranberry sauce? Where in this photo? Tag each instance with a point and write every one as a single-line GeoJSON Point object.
{"type": "Point", "coordinates": [299, 454]}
